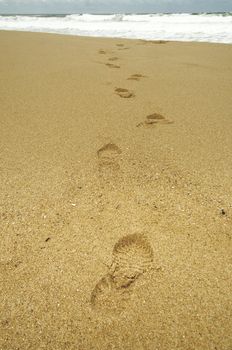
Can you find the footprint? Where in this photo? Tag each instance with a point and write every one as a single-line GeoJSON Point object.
{"type": "Point", "coordinates": [108, 156]}
{"type": "Point", "coordinates": [132, 257]}
{"type": "Point", "coordinates": [111, 65]}
{"type": "Point", "coordinates": [124, 93]}
{"type": "Point", "coordinates": [153, 119]}
{"type": "Point", "coordinates": [102, 52]}
{"type": "Point", "coordinates": [136, 77]}
{"type": "Point", "coordinates": [122, 47]}
{"type": "Point", "coordinates": [106, 297]}
{"type": "Point", "coordinates": [113, 58]}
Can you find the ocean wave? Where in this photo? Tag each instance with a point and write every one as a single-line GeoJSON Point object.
{"type": "Point", "coordinates": [181, 27]}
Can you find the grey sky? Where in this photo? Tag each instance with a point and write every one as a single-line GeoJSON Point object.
{"type": "Point", "coordinates": [114, 6]}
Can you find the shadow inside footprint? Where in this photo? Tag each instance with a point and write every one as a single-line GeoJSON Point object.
{"type": "Point", "coordinates": [132, 257]}
{"type": "Point", "coordinates": [102, 52]}
{"type": "Point", "coordinates": [113, 58]}
{"type": "Point", "coordinates": [108, 156]}
{"type": "Point", "coordinates": [124, 93]}
{"type": "Point", "coordinates": [153, 119]}
{"type": "Point", "coordinates": [111, 65]}
{"type": "Point", "coordinates": [136, 77]}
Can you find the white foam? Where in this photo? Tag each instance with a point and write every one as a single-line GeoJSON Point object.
{"type": "Point", "coordinates": [181, 27]}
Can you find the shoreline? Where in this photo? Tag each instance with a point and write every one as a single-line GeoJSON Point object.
{"type": "Point", "coordinates": [174, 27]}
{"type": "Point", "coordinates": [116, 38]}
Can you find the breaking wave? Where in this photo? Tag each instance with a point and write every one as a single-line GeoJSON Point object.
{"type": "Point", "coordinates": [208, 27]}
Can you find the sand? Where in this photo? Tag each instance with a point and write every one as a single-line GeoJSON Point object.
{"type": "Point", "coordinates": [115, 197]}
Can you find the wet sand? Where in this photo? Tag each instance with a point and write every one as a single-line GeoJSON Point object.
{"type": "Point", "coordinates": [115, 194]}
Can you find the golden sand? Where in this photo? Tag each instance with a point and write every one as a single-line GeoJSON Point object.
{"type": "Point", "coordinates": [116, 196]}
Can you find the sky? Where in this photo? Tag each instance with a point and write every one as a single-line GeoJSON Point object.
{"type": "Point", "coordinates": [113, 6]}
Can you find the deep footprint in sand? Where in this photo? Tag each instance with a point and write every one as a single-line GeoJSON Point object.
{"type": "Point", "coordinates": [136, 77]}
{"type": "Point", "coordinates": [111, 65]}
{"type": "Point", "coordinates": [132, 257]}
{"type": "Point", "coordinates": [108, 156]}
{"type": "Point", "coordinates": [124, 93]}
{"type": "Point", "coordinates": [154, 119]}
{"type": "Point", "coordinates": [102, 52]}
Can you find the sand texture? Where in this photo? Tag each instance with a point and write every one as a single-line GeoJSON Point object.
{"type": "Point", "coordinates": [115, 194]}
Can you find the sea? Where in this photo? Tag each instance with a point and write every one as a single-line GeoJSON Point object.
{"type": "Point", "coordinates": [203, 27]}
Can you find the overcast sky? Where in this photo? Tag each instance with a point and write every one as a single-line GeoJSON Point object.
{"type": "Point", "coordinates": [114, 6]}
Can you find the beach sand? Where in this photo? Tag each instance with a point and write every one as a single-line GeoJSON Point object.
{"type": "Point", "coordinates": [115, 194]}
